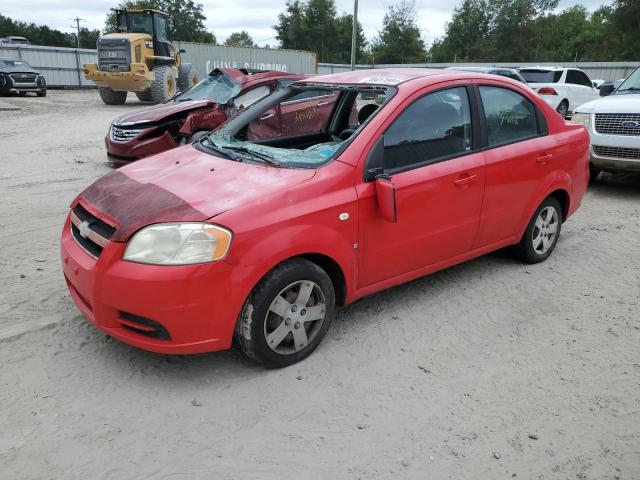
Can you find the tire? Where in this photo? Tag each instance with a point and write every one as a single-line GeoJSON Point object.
{"type": "Point", "coordinates": [111, 97]}
{"type": "Point", "coordinates": [563, 109]}
{"type": "Point", "coordinates": [271, 338]}
{"type": "Point", "coordinates": [593, 172]}
{"type": "Point", "coordinates": [163, 86]}
{"type": "Point", "coordinates": [542, 233]}
{"type": "Point", "coordinates": [144, 96]}
{"type": "Point", "coordinates": [187, 78]}
{"type": "Point", "coordinates": [42, 93]}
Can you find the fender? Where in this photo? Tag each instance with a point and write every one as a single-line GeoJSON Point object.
{"type": "Point", "coordinates": [556, 180]}
{"type": "Point", "coordinates": [280, 246]}
{"type": "Point", "coordinates": [203, 119]}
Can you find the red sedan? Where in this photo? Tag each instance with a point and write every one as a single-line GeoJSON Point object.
{"type": "Point", "coordinates": [325, 191]}
{"type": "Point", "coordinates": [191, 114]}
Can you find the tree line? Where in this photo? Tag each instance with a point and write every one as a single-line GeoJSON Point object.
{"type": "Point", "coordinates": [479, 31]}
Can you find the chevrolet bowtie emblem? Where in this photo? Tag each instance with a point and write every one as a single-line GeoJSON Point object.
{"type": "Point", "coordinates": [84, 229]}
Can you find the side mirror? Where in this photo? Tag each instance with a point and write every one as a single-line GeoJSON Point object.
{"type": "Point", "coordinates": [386, 196]}
{"type": "Point", "coordinates": [182, 50]}
{"type": "Point", "coordinates": [606, 89]}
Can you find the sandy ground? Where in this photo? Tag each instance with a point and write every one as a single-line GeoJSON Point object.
{"type": "Point", "coordinates": [488, 370]}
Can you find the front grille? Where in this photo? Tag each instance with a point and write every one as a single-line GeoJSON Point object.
{"type": "Point", "coordinates": [114, 54]}
{"type": "Point", "coordinates": [23, 77]}
{"type": "Point", "coordinates": [89, 231]}
{"type": "Point", "coordinates": [143, 326]}
{"type": "Point", "coordinates": [618, 123]}
{"type": "Point", "coordinates": [617, 152]}
{"type": "Point", "coordinates": [121, 134]}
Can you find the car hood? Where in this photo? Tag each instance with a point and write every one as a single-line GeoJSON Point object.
{"type": "Point", "coordinates": [627, 103]}
{"type": "Point", "coordinates": [162, 111]}
{"type": "Point", "coordinates": [183, 184]}
{"type": "Point", "coordinates": [18, 69]}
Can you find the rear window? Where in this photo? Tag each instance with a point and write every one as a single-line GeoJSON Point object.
{"type": "Point", "coordinates": [541, 76]}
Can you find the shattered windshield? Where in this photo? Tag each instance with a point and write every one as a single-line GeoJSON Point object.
{"type": "Point", "coordinates": [298, 126]}
{"type": "Point", "coordinates": [631, 84]}
{"type": "Point", "coordinates": [217, 87]}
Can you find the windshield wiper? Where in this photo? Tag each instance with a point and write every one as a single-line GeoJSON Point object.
{"type": "Point", "coordinates": [261, 156]}
{"type": "Point", "coordinates": [209, 145]}
{"type": "Point", "coordinates": [630, 89]}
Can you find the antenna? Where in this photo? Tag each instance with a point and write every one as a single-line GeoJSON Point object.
{"type": "Point", "coordinates": [77, 27]}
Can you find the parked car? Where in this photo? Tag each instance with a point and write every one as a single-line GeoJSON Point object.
{"type": "Point", "coordinates": [16, 75]}
{"type": "Point", "coordinates": [192, 113]}
{"type": "Point", "coordinates": [14, 40]}
{"type": "Point", "coordinates": [337, 198]}
{"type": "Point", "coordinates": [614, 125]}
{"type": "Point", "coordinates": [607, 88]}
{"type": "Point", "coordinates": [563, 88]}
{"type": "Point", "coordinates": [502, 71]}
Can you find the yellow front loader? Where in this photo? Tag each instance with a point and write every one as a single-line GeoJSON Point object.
{"type": "Point", "coordinates": [140, 59]}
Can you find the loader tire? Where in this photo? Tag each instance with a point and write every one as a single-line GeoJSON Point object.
{"type": "Point", "coordinates": [144, 96]}
{"type": "Point", "coordinates": [187, 78]}
{"type": "Point", "coordinates": [111, 97]}
{"type": "Point", "coordinates": [164, 84]}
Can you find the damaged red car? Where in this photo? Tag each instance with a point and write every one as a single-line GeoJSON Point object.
{"type": "Point", "coordinates": [192, 113]}
{"type": "Point", "coordinates": [258, 232]}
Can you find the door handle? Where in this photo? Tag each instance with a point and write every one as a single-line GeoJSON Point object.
{"type": "Point", "coordinates": [468, 180]}
{"type": "Point", "coordinates": [321, 104]}
{"type": "Point", "coordinates": [267, 117]}
{"type": "Point", "coordinates": [544, 159]}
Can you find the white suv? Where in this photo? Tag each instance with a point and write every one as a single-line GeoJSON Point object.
{"type": "Point", "coordinates": [614, 125]}
{"type": "Point", "coordinates": [564, 89]}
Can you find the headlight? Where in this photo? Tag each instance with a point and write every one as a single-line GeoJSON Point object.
{"type": "Point", "coordinates": [583, 118]}
{"type": "Point", "coordinates": [148, 43]}
{"type": "Point", "coordinates": [178, 244]}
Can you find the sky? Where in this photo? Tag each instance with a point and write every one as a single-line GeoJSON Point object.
{"type": "Point", "coordinates": [255, 16]}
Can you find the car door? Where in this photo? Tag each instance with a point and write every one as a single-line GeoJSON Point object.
{"type": "Point", "coordinates": [306, 112]}
{"type": "Point", "coordinates": [429, 156]}
{"type": "Point", "coordinates": [518, 154]}
{"type": "Point", "coordinates": [580, 88]}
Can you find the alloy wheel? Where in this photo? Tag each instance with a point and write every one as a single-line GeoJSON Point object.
{"type": "Point", "coordinates": [545, 230]}
{"type": "Point", "coordinates": [295, 317]}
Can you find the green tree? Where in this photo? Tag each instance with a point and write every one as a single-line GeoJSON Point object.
{"type": "Point", "coordinates": [624, 29]}
{"type": "Point", "coordinates": [342, 41]}
{"type": "Point", "coordinates": [187, 18]}
{"type": "Point", "coordinates": [399, 41]}
{"type": "Point", "coordinates": [240, 39]}
{"type": "Point", "coordinates": [320, 26]}
{"type": "Point", "coordinates": [291, 28]}
{"type": "Point", "coordinates": [36, 34]}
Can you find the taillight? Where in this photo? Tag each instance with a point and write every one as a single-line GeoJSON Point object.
{"type": "Point", "coordinates": [547, 91]}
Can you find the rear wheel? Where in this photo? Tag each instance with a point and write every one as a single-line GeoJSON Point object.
{"type": "Point", "coordinates": [287, 314]}
{"type": "Point", "coordinates": [144, 96]}
{"type": "Point", "coordinates": [186, 77]}
{"type": "Point", "coordinates": [111, 97]}
{"type": "Point", "coordinates": [563, 108]}
{"type": "Point", "coordinates": [542, 233]}
{"type": "Point", "coordinates": [164, 84]}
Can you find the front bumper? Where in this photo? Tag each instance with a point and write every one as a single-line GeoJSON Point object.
{"type": "Point", "coordinates": [197, 305]}
{"type": "Point", "coordinates": [138, 79]}
{"type": "Point", "coordinates": [139, 146]}
{"type": "Point", "coordinates": [9, 84]}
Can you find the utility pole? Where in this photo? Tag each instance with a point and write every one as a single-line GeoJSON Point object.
{"type": "Point", "coordinates": [77, 27]}
{"type": "Point", "coordinates": [354, 34]}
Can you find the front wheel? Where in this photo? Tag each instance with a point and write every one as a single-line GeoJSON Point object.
{"type": "Point", "coordinates": [111, 97]}
{"type": "Point", "coordinates": [287, 314]}
{"type": "Point", "coordinates": [542, 233]}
